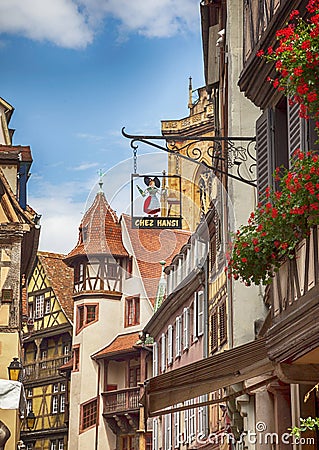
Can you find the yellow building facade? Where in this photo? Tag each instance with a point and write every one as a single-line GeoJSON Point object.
{"type": "Point", "coordinates": [47, 347]}
{"type": "Point", "coordinates": [196, 178]}
{"type": "Point", "coordinates": [19, 234]}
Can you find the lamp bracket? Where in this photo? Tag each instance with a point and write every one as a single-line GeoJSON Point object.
{"type": "Point", "coordinates": [218, 154]}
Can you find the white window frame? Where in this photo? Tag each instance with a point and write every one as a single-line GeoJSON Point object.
{"type": "Point", "coordinates": [62, 403]}
{"type": "Point", "coordinates": [163, 353]}
{"type": "Point", "coordinates": [47, 308]}
{"type": "Point", "coordinates": [186, 329]}
{"type": "Point", "coordinates": [44, 356]}
{"type": "Point", "coordinates": [61, 444]}
{"type": "Point", "coordinates": [186, 423]}
{"type": "Point", "coordinates": [200, 313]}
{"type": "Point", "coordinates": [178, 336]}
{"type": "Point", "coordinates": [177, 419]}
{"type": "Point", "coordinates": [155, 359]}
{"type": "Point", "coordinates": [155, 445]}
{"type": "Point", "coordinates": [192, 423]}
{"type": "Point", "coordinates": [169, 345]}
{"type": "Point", "coordinates": [202, 424]}
{"type": "Point", "coordinates": [55, 404]}
{"type": "Point", "coordinates": [195, 317]}
{"type": "Point", "coordinates": [39, 306]}
{"type": "Point", "coordinates": [168, 432]}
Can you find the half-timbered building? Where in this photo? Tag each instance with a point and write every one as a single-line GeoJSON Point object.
{"type": "Point", "coordinates": [270, 352]}
{"type": "Point", "coordinates": [19, 234]}
{"type": "Point", "coordinates": [291, 330]}
{"type": "Point", "coordinates": [47, 345]}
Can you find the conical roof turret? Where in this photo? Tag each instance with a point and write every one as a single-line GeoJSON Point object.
{"type": "Point", "coordinates": [99, 232]}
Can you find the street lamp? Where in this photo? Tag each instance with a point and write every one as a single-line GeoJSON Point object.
{"type": "Point", "coordinates": [14, 369]}
{"type": "Point", "coordinates": [30, 420]}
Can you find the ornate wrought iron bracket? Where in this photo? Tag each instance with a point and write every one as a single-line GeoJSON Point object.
{"type": "Point", "coordinates": [240, 152]}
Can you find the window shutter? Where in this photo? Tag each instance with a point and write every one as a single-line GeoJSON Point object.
{"type": "Point", "coordinates": [214, 328]}
{"type": "Point", "coordinates": [264, 147]}
{"type": "Point", "coordinates": [222, 323]}
{"type": "Point", "coordinates": [200, 308]}
{"type": "Point", "coordinates": [170, 345]}
{"type": "Point", "coordinates": [213, 52]}
{"type": "Point", "coordinates": [155, 359]}
{"type": "Point", "coordinates": [202, 418]}
{"type": "Point", "coordinates": [186, 329]}
{"type": "Point", "coordinates": [212, 253]}
{"type": "Point", "coordinates": [195, 316]}
{"type": "Point", "coordinates": [178, 341]}
{"type": "Point", "coordinates": [177, 429]}
{"type": "Point", "coordinates": [192, 423]}
{"type": "Point", "coordinates": [168, 432]}
{"type": "Point", "coordinates": [155, 434]}
{"type": "Point", "coordinates": [295, 128]}
{"type": "Point", "coordinates": [186, 424]}
{"type": "Point", "coordinates": [163, 353]}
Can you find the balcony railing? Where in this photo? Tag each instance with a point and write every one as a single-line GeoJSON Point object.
{"type": "Point", "coordinates": [45, 368]}
{"type": "Point", "coordinates": [296, 276]}
{"type": "Point", "coordinates": [121, 400]}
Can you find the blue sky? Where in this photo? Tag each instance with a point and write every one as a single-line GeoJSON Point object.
{"type": "Point", "coordinates": [76, 72]}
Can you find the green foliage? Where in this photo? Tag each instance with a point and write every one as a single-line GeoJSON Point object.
{"type": "Point", "coordinates": [305, 424]}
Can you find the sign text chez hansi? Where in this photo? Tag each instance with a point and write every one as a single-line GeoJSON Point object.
{"type": "Point", "coordinates": [157, 222]}
{"type": "Point", "coordinates": [156, 201]}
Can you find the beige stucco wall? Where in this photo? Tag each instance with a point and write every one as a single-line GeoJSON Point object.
{"type": "Point", "coordinates": [92, 338]}
{"type": "Point", "coordinates": [247, 302]}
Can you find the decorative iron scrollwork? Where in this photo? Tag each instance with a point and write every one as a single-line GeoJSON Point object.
{"type": "Point", "coordinates": [240, 152]}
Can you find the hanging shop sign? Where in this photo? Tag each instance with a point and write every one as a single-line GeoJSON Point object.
{"type": "Point", "coordinates": [156, 201]}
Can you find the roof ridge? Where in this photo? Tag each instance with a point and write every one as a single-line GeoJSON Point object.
{"type": "Point", "coordinates": [94, 204]}
{"type": "Point", "coordinates": [51, 254]}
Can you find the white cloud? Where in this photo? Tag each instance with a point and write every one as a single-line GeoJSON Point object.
{"type": "Point", "coordinates": [85, 166]}
{"type": "Point", "coordinates": [90, 137]}
{"type": "Point", "coordinates": [61, 213]}
{"type": "Point", "coordinates": [73, 23]}
{"type": "Point", "coordinates": [156, 18]}
{"type": "Point", "coordinates": [59, 223]}
{"type": "Point", "coordinates": [58, 21]}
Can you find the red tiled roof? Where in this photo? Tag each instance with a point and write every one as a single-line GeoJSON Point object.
{"type": "Point", "coordinates": [100, 231]}
{"type": "Point", "coordinates": [121, 343]}
{"type": "Point", "coordinates": [152, 246]}
{"type": "Point", "coordinates": [60, 277]}
{"type": "Point", "coordinates": [23, 150]}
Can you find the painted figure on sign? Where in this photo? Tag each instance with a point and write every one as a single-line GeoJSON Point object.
{"type": "Point", "coordinates": [151, 204]}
